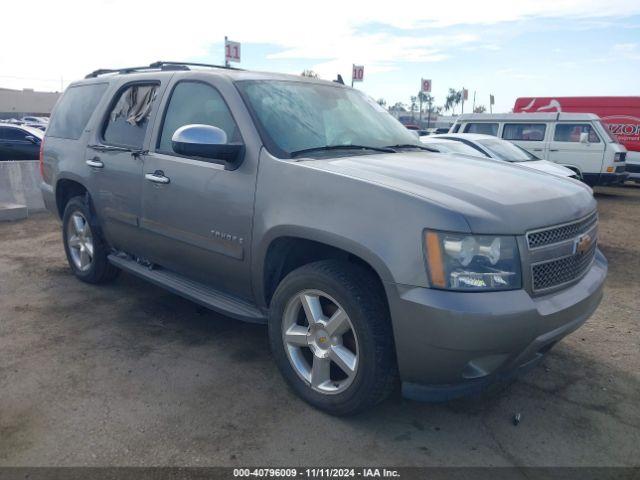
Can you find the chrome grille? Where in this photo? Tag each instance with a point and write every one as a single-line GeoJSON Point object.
{"type": "Point", "coordinates": [558, 272]}
{"type": "Point", "coordinates": [548, 236]}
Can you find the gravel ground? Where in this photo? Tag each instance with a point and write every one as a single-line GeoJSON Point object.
{"type": "Point", "coordinates": [127, 374]}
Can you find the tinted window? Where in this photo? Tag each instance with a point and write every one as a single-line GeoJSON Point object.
{"type": "Point", "coordinates": [129, 117]}
{"type": "Point", "coordinates": [483, 128]}
{"type": "Point", "coordinates": [196, 103]}
{"type": "Point", "coordinates": [13, 134]}
{"type": "Point", "coordinates": [570, 132]}
{"type": "Point", "coordinates": [531, 132]}
{"type": "Point", "coordinates": [72, 113]}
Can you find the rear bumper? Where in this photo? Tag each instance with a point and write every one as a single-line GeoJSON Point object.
{"type": "Point", "coordinates": [450, 344]}
{"type": "Point", "coordinates": [49, 198]}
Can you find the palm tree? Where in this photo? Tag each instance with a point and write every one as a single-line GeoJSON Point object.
{"type": "Point", "coordinates": [413, 106]}
{"type": "Point", "coordinates": [309, 73]}
{"type": "Point", "coordinates": [454, 98]}
{"type": "Point", "coordinates": [424, 98]}
{"type": "Point", "coordinates": [480, 109]}
{"type": "Point", "coordinates": [382, 102]}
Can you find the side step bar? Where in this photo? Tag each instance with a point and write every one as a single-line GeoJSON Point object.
{"type": "Point", "coordinates": [194, 291]}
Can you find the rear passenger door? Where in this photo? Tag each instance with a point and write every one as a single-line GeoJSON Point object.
{"type": "Point", "coordinates": [199, 220]}
{"type": "Point", "coordinates": [530, 136]}
{"type": "Point", "coordinates": [565, 147]}
{"type": "Point", "coordinates": [114, 160]}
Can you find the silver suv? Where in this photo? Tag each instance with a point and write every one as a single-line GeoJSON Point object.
{"type": "Point", "coordinates": [302, 204]}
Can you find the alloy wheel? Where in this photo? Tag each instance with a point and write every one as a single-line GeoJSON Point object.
{"type": "Point", "coordinates": [321, 343]}
{"type": "Point", "coordinates": [80, 241]}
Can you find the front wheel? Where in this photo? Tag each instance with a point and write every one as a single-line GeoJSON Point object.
{"type": "Point", "coordinates": [331, 336]}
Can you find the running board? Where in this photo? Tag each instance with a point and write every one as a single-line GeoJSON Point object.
{"type": "Point", "coordinates": [194, 291]}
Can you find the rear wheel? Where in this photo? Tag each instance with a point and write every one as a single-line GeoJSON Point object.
{"type": "Point", "coordinates": [331, 336]}
{"type": "Point", "coordinates": [86, 250]}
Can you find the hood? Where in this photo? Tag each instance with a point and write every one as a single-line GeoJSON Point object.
{"type": "Point", "coordinates": [547, 167]}
{"type": "Point", "coordinates": [494, 197]}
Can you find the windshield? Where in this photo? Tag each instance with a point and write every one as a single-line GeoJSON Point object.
{"type": "Point", "coordinates": [453, 146]}
{"type": "Point", "coordinates": [506, 151]}
{"type": "Point", "coordinates": [607, 133]}
{"type": "Point", "coordinates": [297, 116]}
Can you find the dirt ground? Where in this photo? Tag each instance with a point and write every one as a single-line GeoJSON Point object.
{"type": "Point", "coordinates": [128, 374]}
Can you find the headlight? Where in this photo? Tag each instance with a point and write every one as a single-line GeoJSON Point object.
{"type": "Point", "coordinates": [459, 261]}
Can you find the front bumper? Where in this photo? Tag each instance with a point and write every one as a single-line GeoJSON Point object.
{"type": "Point", "coordinates": [633, 170]}
{"type": "Point", "coordinates": [450, 344]}
{"type": "Point", "coordinates": [604, 179]}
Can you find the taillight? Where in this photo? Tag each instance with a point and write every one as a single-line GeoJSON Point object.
{"type": "Point", "coordinates": [41, 158]}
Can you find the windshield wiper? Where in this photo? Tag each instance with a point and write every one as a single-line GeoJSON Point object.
{"type": "Point", "coordinates": [341, 147]}
{"type": "Point", "coordinates": [411, 145]}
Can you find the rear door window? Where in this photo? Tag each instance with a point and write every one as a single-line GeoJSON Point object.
{"type": "Point", "coordinates": [128, 119]}
{"type": "Point", "coordinates": [570, 132]}
{"type": "Point", "coordinates": [74, 109]}
{"type": "Point", "coordinates": [484, 128]}
{"type": "Point", "coordinates": [529, 132]}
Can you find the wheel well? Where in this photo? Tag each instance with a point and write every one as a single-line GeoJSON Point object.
{"type": "Point", "coordinates": [65, 191]}
{"type": "Point", "coordinates": [285, 254]}
{"type": "Point", "coordinates": [575, 169]}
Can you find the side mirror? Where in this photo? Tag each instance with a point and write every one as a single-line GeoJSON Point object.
{"type": "Point", "coordinates": [584, 137]}
{"type": "Point", "coordinates": [32, 139]}
{"type": "Point", "coordinates": [207, 141]}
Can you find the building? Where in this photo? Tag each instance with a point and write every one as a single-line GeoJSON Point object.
{"type": "Point", "coordinates": [18, 103]}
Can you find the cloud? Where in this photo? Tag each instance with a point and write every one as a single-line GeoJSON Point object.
{"type": "Point", "coordinates": [629, 51]}
{"type": "Point", "coordinates": [74, 37]}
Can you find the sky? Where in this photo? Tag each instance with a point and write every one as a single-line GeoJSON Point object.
{"type": "Point", "coordinates": [506, 48]}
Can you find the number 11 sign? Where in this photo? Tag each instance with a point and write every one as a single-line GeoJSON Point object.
{"type": "Point", "coordinates": [231, 51]}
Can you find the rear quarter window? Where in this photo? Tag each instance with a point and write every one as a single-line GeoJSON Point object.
{"type": "Point", "coordinates": [72, 113]}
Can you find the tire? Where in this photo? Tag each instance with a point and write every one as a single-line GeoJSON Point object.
{"type": "Point", "coordinates": [352, 289]}
{"type": "Point", "coordinates": [78, 233]}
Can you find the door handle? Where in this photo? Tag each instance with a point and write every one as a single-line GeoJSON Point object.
{"type": "Point", "coordinates": [95, 163]}
{"type": "Point", "coordinates": [157, 177]}
{"type": "Point", "coordinates": [537, 149]}
{"type": "Point", "coordinates": [554, 150]}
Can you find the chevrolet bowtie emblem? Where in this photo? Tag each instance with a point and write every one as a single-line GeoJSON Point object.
{"type": "Point", "coordinates": [582, 244]}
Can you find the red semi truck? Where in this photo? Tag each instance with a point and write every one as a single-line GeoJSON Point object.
{"type": "Point", "coordinates": [620, 114]}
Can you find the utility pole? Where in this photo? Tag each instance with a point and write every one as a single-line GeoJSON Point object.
{"type": "Point", "coordinates": [420, 115]}
{"type": "Point", "coordinates": [473, 109]}
{"type": "Point", "coordinates": [226, 59]}
{"type": "Point", "coordinates": [429, 114]}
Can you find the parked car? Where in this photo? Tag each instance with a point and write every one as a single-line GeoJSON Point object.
{"type": "Point", "coordinates": [35, 120]}
{"type": "Point", "coordinates": [620, 114]}
{"type": "Point", "coordinates": [488, 146]}
{"type": "Point", "coordinates": [578, 141]}
{"type": "Point", "coordinates": [302, 204]}
{"type": "Point", "coordinates": [19, 142]}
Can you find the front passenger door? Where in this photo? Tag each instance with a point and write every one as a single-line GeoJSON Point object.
{"type": "Point", "coordinates": [198, 215]}
{"type": "Point", "coordinates": [566, 148]}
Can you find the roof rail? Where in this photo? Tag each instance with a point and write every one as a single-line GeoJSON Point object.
{"type": "Point", "coordinates": [159, 65]}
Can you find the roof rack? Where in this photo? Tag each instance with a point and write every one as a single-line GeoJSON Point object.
{"type": "Point", "coordinates": [159, 65]}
